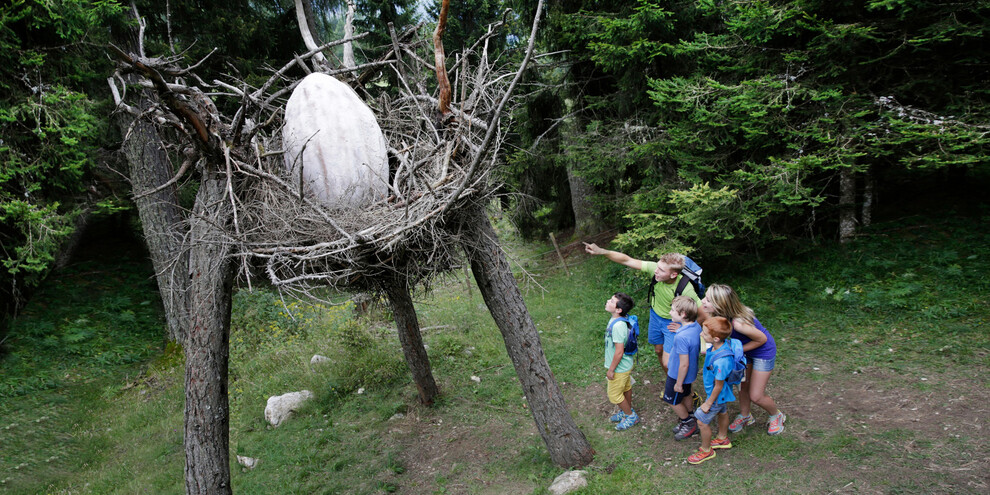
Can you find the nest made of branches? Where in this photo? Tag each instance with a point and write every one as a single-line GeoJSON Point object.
{"type": "Point", "coordinates": [444, 164]}
{"type": "Point", "coordinates": [445, 144]}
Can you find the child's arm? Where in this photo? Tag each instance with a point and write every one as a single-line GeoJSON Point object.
{"type": "Point", "coordinates": [710, 401]}
{"type": "Point", "coordinates": [757, 338]}
{"type": "Point", "coordinates": [616, 358]}
{"type": "Point", "coordinates": [615, 256]}
{"type": "Point", "coordinates": [682, 369]}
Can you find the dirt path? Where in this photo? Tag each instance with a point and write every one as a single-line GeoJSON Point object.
{"type": "Point", "coordinates": [867, 432]}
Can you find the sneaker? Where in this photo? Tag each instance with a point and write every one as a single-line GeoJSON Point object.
{"type": "Point", "coordinates": [701, 456]}
{"type": "Point", "coordinates": [721, 443]}
{"type": "Point", "coordinates": [619, 416]}
{"type": "Point", "coordinates": [627, 422]}
{"type": "Point", "coordinates": [737, 424]}
{"type": "Point", "coordinates": [777, 423]}
{"type": "Point", "coordinates": [686, 430]}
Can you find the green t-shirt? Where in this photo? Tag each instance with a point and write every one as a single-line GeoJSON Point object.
{"type": "Point", "coordinates": [620, 333]}
{"type": "Point", "coordinates": [663, 294]}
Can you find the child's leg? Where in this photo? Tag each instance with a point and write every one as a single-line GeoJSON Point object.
{"type": "Point", "coordinates": [744, 400]}
{"type": "Point", "coordinates": [757, 392]}
{"type": "Point", "coordinates": [620, 391]}
{"type": "Point", "coordinates": [685, 407]}
{"type": "Point", "coordinates": [723, 425]}
{"type": "Point", "coordinates": [706, 436]}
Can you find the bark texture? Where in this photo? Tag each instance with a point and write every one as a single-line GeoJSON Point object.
{"type": "Point", "coordinates": [207, 414]}
{"type": "Point", "coordinates": [162, 219]}
{"type": "Point", "coordinates": [847, 204]}
{"type": "Point", "coordinates": [407, 323]}
{"type": "Point", "coordinates": [567, 444]}
{"type": "Point", "coordinates": [867, 208]}
{"type": "Point", "coordinates": [586, 221]}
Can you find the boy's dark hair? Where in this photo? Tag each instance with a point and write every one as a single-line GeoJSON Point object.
{"type": "Point", "coordinates": [718, 327]}
{"type": "Point", "coordinates": [686, 307]}
{"type": "Point", "coordinates": [624, 303]}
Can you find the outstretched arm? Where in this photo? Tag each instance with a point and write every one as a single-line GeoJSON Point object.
{"type": "Point", "coordinates": [615, 256]}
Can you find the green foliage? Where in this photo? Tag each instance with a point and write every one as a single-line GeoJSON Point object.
{"type": "Point", "coordinates": [51, 128]}
{"type": "Point", "coordinates": [768, 101]}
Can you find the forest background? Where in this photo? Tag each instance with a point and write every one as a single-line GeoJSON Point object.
{"type": "Point", "coordinates": [706, 127]}
{"type": "Point", "coordinates": [725, 130]}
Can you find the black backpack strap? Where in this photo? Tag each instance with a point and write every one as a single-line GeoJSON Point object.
{"type": "Point", "coordinates": [681, 285]}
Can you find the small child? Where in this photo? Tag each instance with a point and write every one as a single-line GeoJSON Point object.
{"type": "Point", "coordinates": [683, 365]}
{"type": "Point", "coordinates": [716, 332]}
{"type": "Point", "coordinates": [618, 364]}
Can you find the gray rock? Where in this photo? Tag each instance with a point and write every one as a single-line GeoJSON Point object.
{"type": "Point", "coordinates": [568, 482]}
{"type": "Point", "coordinates": [317, 359]}
{"type": "Point", "coordinates": [248, 462]}
{"type": "Point", "coordinates": [280, 407]}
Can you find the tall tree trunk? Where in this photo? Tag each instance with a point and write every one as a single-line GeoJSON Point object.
{"type": "Point", "coordinates": [396, 289]}
{"type": "Point", "coordinates": [847, 204]}
{"type": "Point", "coordinates": [162, 219]}
{"type": "Point", "coordinates": [586, 221]}
{"type": "Point", "coordinates": [348, 61]}
{"type": "Point", "coordinates": [304, 13]}
{"type": "Point", "coordinates": [567, 444]}
{"type": "Point", "coordinates": [207, 416]}
{"type": "Point", "coordinates": [866, 218]}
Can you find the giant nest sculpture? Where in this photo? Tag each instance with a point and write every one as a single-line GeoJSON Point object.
{"type": "Point", "coordinates": [305, 197]}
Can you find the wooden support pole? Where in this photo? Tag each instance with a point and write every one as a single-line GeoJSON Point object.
{"type": "Point", "coordinates": [560, 256]}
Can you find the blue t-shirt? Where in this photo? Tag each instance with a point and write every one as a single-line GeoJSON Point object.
{"type": "Point", "coordinates": [687, 340]}
{"type": "Point", "coordinates": [719, 370]}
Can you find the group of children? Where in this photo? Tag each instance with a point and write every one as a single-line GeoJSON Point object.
{"type": "Point", "coordinates": [724, 321]}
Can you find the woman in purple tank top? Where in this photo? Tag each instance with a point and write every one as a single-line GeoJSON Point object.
{"type": "Point", "coordinates": [761, 354]}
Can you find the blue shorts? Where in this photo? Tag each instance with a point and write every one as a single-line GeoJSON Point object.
{"type": "Point", "coordinates": [672, 397]}
{"type": "Point", "coordinates": [658, 332]}
{"type": "Point", "coordinates": [714, 411]}
{"type": "Point", "coordinates": [763, 364]}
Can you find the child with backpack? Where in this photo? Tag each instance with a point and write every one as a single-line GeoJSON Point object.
{"type": "Point", "coordinates": [669, 278]}
{"type": "Point", "coordinates": [620, 347]}
{"type": "Point", "coordinates": [683, 365]}
{"type": "Point", "coordinates": [717, 375]}
{"type": "Point", "coordinates": [761, 354]}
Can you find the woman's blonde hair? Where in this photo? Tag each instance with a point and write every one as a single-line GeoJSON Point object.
{"type": "Point", "coordinates": [726, 303]}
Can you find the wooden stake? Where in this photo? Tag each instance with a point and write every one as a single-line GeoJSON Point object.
{"type": "Point", "coordinates": [555, 248]}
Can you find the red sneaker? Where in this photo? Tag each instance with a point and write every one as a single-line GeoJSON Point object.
{"type": "Point", "coordinates": [721, 443]}
{"type": "Point", "coordinates": [701, 456]}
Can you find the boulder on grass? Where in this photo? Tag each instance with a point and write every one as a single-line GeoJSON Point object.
{"type": "Point", "coordinates": [280, 407]}
{"type": "Point", "coordinates": [568, 482]}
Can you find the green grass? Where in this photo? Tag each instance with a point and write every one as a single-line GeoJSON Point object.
{"type": "Point", "coordinates": [913, 325]}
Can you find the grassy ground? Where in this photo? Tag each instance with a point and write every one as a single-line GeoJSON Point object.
{"type": "Point", "coordinates": [884, 344]}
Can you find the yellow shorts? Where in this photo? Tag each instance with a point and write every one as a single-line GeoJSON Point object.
{"type": "Point", "coordinates": [618, 386]}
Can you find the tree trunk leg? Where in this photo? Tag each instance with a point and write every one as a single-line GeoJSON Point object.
{"type": "Point", "coordinates": [567, 444]}
{"type": "Point", "coordinates": [207, 417]}
{"type": "Point", "coordinates": [407, 323]}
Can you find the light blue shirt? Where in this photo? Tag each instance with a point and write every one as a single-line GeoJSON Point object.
{"type": "Point", "coordinates": [619, 333]}
{"type": "Point", "coordinates": [687, 340]}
